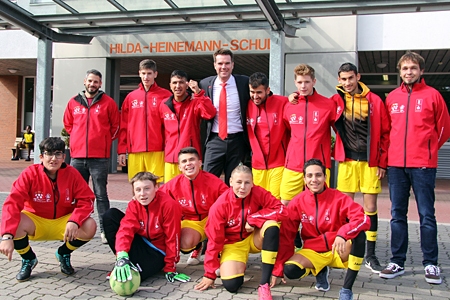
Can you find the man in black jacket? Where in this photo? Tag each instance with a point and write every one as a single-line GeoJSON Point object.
{"type": "Point", "coordinates": [226, 142]}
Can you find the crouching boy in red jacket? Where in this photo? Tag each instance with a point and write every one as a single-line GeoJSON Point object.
{"type": "Point", "coordinates": [49, 201]}
{"type": "Point", "coordinates": [148, 234]}
{"type": "Point", "coordinates": [332, 229]}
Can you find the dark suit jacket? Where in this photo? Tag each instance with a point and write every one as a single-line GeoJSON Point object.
{"type": "Point", "coordinates": [244, 96]}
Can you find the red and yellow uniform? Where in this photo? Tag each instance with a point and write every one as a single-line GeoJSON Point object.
{"type": "Point", "coordinates": [227, 219]}
{"type": "Point", "coordinates": [158, 222]}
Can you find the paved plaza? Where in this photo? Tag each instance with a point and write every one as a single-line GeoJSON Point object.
{"type": "Point", "coordinates": [93, 260]}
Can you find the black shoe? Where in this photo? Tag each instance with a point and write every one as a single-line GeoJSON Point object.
{"type": "Point", "coordinates": [373, 264]}
{"type": "Point", "coordinates": [28, 159]}
{"type": "Point", "coordinates": [322, 283]}
{"type": "Point", "coordinates": [15, 158]}
{"type": "Point", "coordinates": [64, 263]}
{"type": "Point", "coordinates": [25, 272]}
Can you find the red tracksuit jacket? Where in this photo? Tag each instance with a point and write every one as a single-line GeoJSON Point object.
{"type": "Point", "coordinates": [420, 125]}
{"type": "Point", "coordinates": [227, 218]}
{"type": "Point", "coordinates": [141, 129]}
{"type": "Point", "coordinates": [158, 222]}
{"type": "Point", "coordinates": [310, 123]}
{"type": "Point", "coordinates": [183, 130]}
{"type": "Point", "coordinates": [36, 193]}
{"type": "Point", "coordinates": [92, 128]}
{"type": "Point", "coordinates": [270, 151]}
{"type": "Point", "coordinates": [195, 196]}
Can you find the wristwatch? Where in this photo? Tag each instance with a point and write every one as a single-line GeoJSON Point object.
{"type": "Point", "coordinates": [5, 238]}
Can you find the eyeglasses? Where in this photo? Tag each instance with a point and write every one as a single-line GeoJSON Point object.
{"type": "Point", "coordinates": [57, 154]}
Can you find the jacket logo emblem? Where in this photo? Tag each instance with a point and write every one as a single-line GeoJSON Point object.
{"type": "Point", "coordinates": [137, 104]}
{"type": "Point", "coordinates": [250, 121]}
{"type": "Point", "coordinates": [154, 101]}
{"type": "Point", "coordinates": [419, 103]}
{"type": "Point", "coordinates": [295, 120]}
{"type": "Point", "coordinates": [258, 119]}
{"type": "Point", "coordinates": [396, 109]}
{"type": "Point", "coordinates": [203, 199]}
{"type": "Point", "coordinates": [169, 116]}
{"type": "Point", "coordinates": [141, 224]}
{"type": "Point", "coordinates": [339, 109]}
{"type": "Point", "coordinates": [79, 110]}
{"type": "Point", "coordinates": [315, 117]}
{"type": "Point", "coordinates": [97, 109]}
{"type": "Point", "coordinates": [275, 118]}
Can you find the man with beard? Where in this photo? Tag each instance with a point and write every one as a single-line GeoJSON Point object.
{"type": "Point", "coordinates": [92, 120]}
{"type": "Point", "coordinates": [267, 134]}
{"type": "Point", "coordinates": [420, 125]}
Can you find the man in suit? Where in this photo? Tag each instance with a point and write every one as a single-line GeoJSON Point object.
{"type": "Point", "coordinates": [226, 142]}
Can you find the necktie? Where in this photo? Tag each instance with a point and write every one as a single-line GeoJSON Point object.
{"type": "Point", "coordinates": [223, 132]}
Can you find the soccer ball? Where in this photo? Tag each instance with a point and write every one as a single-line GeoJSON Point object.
{"type": "Point", "coordinates": [126, 288]}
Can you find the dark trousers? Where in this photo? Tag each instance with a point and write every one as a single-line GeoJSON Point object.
{"type": "Point", "coordinates": [422, 181]}
{"type": "Point", "coordinates": [97, 168]}
{"type": "Point", "coordinates": [224, 155]}
{"type": "Point", "coordinates": [149, 260]}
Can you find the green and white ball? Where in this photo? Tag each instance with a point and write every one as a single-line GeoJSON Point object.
{"type": "Point", "coordinates": [126, 288]}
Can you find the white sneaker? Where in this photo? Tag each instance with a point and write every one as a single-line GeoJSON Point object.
{"type": "Point", "coordinates": [433, 274]}
{"type": "Point", "coordinates": [103, 237]}
{"type": "Point", "coordinates": [194, 258]}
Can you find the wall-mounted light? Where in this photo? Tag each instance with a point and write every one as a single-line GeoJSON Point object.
{"type": "Point", "coordinates": [12, 70]}
{"type": "Point", "coordinates": [386, 77]}
{"type": "Point", "coordinates": [381, 65]}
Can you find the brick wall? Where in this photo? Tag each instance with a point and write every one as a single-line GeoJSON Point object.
{"type": "Point", "coordinates": [9, 94]}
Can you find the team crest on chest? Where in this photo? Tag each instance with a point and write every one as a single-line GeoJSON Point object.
{"type": "Point", "coordinates": [419, 104]}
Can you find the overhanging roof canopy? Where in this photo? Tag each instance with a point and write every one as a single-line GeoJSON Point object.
{"type": "Point", "coordinates": [77, 21]}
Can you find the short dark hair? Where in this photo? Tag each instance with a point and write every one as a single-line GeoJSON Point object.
{"type": "Point", "coordinates": [348, 67]}
{"type": "Point", "coordinates": [223, 51]}
{"type": "Point", "coordinates": [179, 73]}
{"type": "Point", "coordinates": [414, 57]}
{"type": "Point", "coordinates": [141, 176]}
{"type": "Point", "coordinates": [257, 79]}
{"type": "Point", "coordinates": [27, 127]}
{"type": "Point", "coordinates": [95, 72]}
{"type": "Point", "coordinates": [147, 64]}
{"type": "Point", "coordinates": [189, 150]}
{"type": "Point", "coordinates": [314, 162]}
{"type": "Point", "coordinates": [52, 144]}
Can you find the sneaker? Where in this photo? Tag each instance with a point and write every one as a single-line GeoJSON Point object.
{"type": "Point", "coordinates": [373, 264]}
{"type": "Point", "coordinates": [25, 272]}
{"type": "Point", "coordinates": [64, 263]}
{"type": "Point", "coordinates": [28, 159]}
{"type": "Point", "coordinates": [218, 272]}
{"type": "Point", "coordinates": [433, 274]}
{"type": "Point", "coordinates": [322, 283]}
{"type": "Point", "coordinates": [264, 292]}
{"type": "Point", "coordinates": [194, 258]}
{"type": "Point", "coordinates": [103, 237]}
{"type": "Point", "coordinates": [391, 271]}
{"type": "Point", "coordinates": [15, 158]}
{"type": "Point", "coordinates": [345, 294]}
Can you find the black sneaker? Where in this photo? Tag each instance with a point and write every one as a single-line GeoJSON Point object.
{"type": "Point", "coordinates": [322, 283]}
{"type": "Point", "coordinates": [15, 158]}
{"type": "Point", "coordinates": [391, 271]}
{"type": "Point", "coordinates": [64, 263]}
{"type": "Point", "coordinates": [28, 159]}
{"type": "Point", "coordinates": [25, 272]}
{"type": "Point", "coordinates": [373, 264]}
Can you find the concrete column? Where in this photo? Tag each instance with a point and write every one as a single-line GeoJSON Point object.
{"type": "Point", "coordinates": [276, 73]}
{"type": "Point", "coordinates": [43, 92]}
